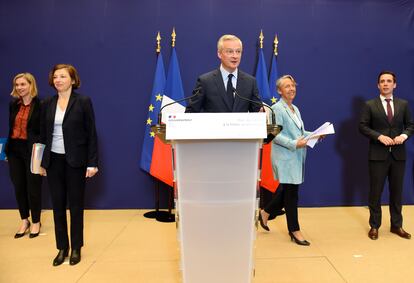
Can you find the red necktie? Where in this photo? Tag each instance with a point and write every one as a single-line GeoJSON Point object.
{"type": "Point", "coordinates": [389, 110]}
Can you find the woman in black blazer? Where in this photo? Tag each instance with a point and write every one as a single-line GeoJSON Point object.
{"type": "Point", "coordinates": [24, 130]}
{"type": "Point", "coordinates": [70, 156]}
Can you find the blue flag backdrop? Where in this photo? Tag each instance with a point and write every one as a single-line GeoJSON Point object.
{"type": "Point", "coordinates": [261, 78]}
{"type": "Point", "coordinates": [273, 76]}
{"type": "Point", "coordinates": [174, 86]}
{"type": "Point", "coordinates": [329, 43]}
{"type": "Point", "coordinates": [153, 109]}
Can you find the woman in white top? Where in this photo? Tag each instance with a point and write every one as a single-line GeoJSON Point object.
{"type": "Point", "coordinates": [70, 156]}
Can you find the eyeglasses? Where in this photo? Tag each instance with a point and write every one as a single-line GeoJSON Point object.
{"type": "Point", "coordinates": [232, 52]}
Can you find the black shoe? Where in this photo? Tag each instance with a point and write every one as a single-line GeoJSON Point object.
{"type": "Point", "coordinates": [276, 214]}
{"type": "Point", "coordinates": [75, 257]}
{"type": "Point", "coordinates": [19, 235]}
{"type": "Point", "coordinates": [60, 258]}
{"type": "Point", "coordinates": [34, 235]}
{"type": "Point", "coordinates": [373, 234]}
{"type": "Point", "coordinates": [297, 241]}
{"type": "Point", "coordinates": [262, 223]}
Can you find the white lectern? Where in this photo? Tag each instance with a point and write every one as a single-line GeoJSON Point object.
{"type": "Point", "coordinates": [216, 170]}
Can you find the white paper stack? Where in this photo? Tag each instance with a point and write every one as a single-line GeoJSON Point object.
{"type": "Point", "coordinates": [37, 154]}
{"type": "Point", "coordinates": [327, 128]}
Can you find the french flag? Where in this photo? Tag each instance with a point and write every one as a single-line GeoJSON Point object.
{"type": "Point", "coordinates": [161, 165]}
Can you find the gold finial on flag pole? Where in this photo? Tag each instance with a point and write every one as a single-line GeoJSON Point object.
{"type": "Point", "coordinates": [173, 35]}
{"type": "Point", "coordinates": [261, 39]}
{"type": "Point", "coordinates": [276, 42]}
{"type": "Point", "coordinates": [158, 50]}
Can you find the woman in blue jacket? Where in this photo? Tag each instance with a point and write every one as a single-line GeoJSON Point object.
{"type": "Point", "coordinates": [288, 159]}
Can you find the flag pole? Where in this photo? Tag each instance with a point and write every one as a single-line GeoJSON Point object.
{"type": "Point", "coordinates": [267, 183]}
{"type": "Point", "coordinates": [157, 214]}
{"type": "Point", "coordinates": [168, 216]}
{"type": "Point", "coordinates": [274, 57]}
{"type": "Point", "coordinates": [154, 213]}
{"type": "Point", "coordinates": [275, 44]}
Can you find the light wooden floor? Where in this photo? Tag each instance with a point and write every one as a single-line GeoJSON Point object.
{"type": "Point", "coordinates": [123, 246]}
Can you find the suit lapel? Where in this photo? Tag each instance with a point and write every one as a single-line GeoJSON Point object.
{"type": "Point", "coordinates": [15, 110]}
{"type": "Point", "coordinates": [239, 88]}
{"type": "Point", "coordinates": [72, 99]}
{"type": "Point", "coordinates": [397, 108]}
{"type": "Point", "coordinates": [302, 126]}
{"type": "Point", "coordinates": [290, 114]}
{"type": "Point", "coordinates": [34, 104]}
{"type": "Point", "coordinates": [381, 109]}
{"type": "Point", "coordinates": [221, 89]}
{"type": "Point", "coordinates": [52, 109]}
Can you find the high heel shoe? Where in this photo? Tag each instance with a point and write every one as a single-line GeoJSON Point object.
{"type": "Point", "coordinates": [34, 235]}
{"type": "Point", "coordinates": [60, 258]}
{"type": "Point", "coordinates": [19, 235]}
{"type": "Point", "coordinates": [262, 223]}
{"type": "Point", "coordinates": [75, 256]}
{"type": "Point", "coordinates": [297, 241]}
{"type": "Point", "coordinates": [275, 214]}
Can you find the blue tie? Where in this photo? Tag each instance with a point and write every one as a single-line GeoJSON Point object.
{"type": "Point", "coordinates": [230, 95]}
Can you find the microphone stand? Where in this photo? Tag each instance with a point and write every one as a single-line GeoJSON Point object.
{"type": "Point", "coordinates": [195, 93]}
{"type": "Point", "coordinates": [272, 128]}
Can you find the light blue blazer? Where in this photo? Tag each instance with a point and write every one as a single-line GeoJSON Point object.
{"type": "Point", "coordinates": [288, 162]}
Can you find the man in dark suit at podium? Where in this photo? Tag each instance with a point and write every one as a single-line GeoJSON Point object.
{"type": "Point", "coordinates": [215, 90]}
{"type": "Point", "coordinates": [387, 122]}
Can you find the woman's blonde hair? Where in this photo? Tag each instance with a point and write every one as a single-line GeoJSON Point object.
{"type": "Point", "coordinates": [282, 78]}
{"type": "Point", "coordinates": [30, 79]}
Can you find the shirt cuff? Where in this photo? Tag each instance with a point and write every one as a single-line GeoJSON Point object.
{"type": "Point", "coordinates": [404, 136]}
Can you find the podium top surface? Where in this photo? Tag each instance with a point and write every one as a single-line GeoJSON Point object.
{"type": "Point", "coordinates": [194, 126]}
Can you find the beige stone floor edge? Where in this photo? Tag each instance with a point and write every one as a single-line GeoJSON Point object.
{"type": "Point", "coordinates": [124, 246]}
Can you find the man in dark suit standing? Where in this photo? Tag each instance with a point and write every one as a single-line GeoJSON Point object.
{"type": "Point", "coordinates": [216, 88]}
{"type": "Point", "coordinates": [387, 122]}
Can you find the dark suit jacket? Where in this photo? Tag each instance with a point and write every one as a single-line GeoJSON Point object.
{"type": "Point", "coordinates": [212, 95]}
{"type": "Point", "coordinates": [33, 124]}
{"type": "Point", "coordinates": [79, 132]}
{"type": "Point", "coordinates": [374, 122]}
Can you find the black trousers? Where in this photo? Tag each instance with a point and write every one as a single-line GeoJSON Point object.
{"type": "Point", "coordinates": [287, 196]}
{"type": "Point", "coordinates": [27, 186]}
{"type": "Point", "coordinates": [379, 171]}
{"type": "Point", "coordinates": [67, 187]}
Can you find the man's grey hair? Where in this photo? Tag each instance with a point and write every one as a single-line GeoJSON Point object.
{"type": "Point", "coordinates": [225, 38]}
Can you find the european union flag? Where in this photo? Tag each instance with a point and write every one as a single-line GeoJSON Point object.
{"type": "Point", "coordinates": [261, 78]}
{"type": "Point", "coordinates": [272, 80]}
{"type": "Point", "coordinates": [153, 109]}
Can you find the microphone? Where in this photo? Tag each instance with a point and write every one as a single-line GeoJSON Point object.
{"type": "Point", "coordinates": [196, 91]}
{"type": "Point", "coordinates": [272, 129]}
{"type": "Point", "coordinates": [273, 118]}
